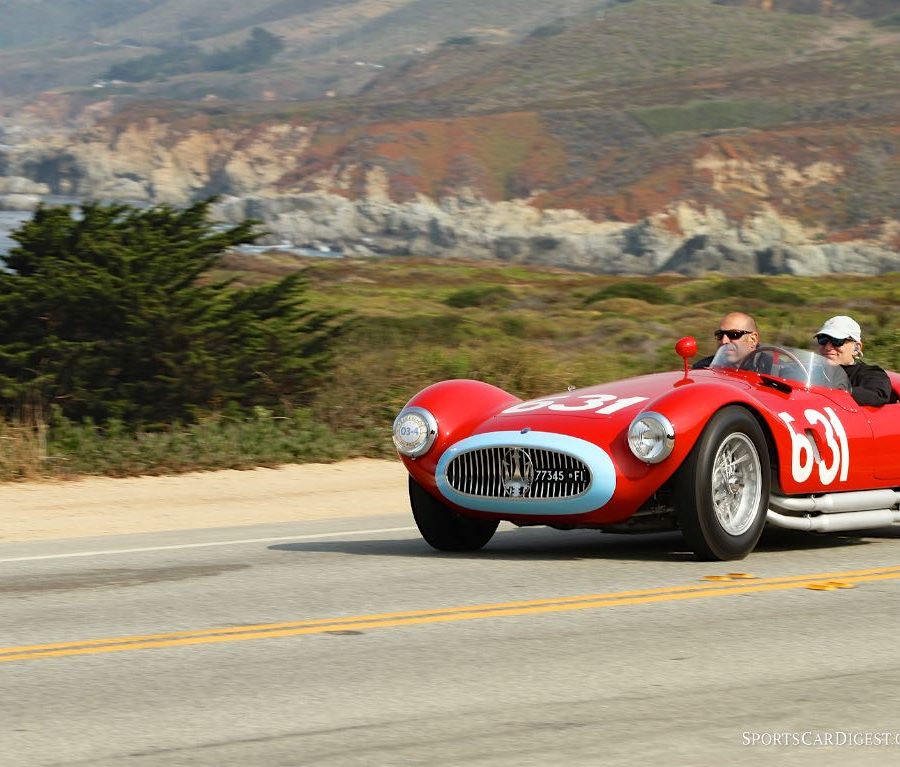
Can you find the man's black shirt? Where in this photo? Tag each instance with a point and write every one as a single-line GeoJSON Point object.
{"type": "Point", "coordinates": [869, 384]}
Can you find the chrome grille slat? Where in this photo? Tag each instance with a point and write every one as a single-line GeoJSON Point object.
{"type": "Point", "coordinates": [478, 472]}
{"type": "Point", "coordinates": [518, 472]}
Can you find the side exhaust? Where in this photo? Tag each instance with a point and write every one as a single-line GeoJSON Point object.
{"type": "Point", "coordinates": [829, 523]}
{"type": "Point", "coordinates": [832, 512]}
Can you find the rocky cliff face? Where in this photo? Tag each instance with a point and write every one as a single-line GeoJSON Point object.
{"type": "Point", "coordinates": [152, 160]}
{"type": "Point", "coordinates": [465, 226]}
{"type": "Point", "coordinates": [728, 209]}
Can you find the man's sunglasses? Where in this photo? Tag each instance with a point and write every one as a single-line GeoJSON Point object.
{"type": "Point", "coordinates": [733, 335]}
{"type": "Point", "coordinates": [837, 343]}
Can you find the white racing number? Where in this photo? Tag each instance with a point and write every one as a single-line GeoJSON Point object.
{"type": "Point", "coordinates": [602, 404]}
{"type": "Point", "coordinates": [804, 455]}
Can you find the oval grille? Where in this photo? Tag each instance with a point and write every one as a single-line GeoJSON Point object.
{"type": "Point", "coordinates": [518, 472]}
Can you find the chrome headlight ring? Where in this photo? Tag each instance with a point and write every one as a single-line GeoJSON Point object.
{"type": "Point", "coordinates": [414, 431]}
{"type": "Point", "coordinates": [651, 437]}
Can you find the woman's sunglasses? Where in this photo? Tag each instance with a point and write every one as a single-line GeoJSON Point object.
{"type": "Point", "coordinates": [837, 343]}
{"type": "Point", "coordinates": [733, 335]}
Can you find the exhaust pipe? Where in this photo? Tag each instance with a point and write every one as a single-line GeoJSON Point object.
{"type": "Point", "coordinates": [834, 522]}
{"type": "Point", "coordinates": [860, 500]}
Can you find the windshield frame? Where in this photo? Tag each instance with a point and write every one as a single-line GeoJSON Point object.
{"type": "Point", "coordinates": [798, 366]}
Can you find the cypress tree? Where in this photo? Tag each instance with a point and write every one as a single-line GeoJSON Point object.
{"type": "Point", "coordinates": [110, 312]}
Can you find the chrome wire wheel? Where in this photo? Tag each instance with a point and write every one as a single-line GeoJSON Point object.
{"type": "Point", "coordinates": [721, 491]}
{"type": "Point", "coordinates": [736, 484]}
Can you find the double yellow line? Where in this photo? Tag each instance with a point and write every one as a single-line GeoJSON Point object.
{"type": "Point", "coordinates": [712, 588]}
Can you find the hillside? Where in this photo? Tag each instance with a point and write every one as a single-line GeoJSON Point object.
{"type": "Point", "coordinates": [330, 45]}
{"type": "Point", "coordinates": [684, 134]}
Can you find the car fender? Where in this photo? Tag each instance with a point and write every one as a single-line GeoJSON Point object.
{"type": "Point", "coordinates": [458, 405]}
{"type": "Point", "coordinates": [689, 409]}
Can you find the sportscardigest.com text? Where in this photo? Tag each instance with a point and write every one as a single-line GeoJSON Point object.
{"type": "Point", "coordinates": [821, 738]}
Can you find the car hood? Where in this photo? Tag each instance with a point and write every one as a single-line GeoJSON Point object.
{"type": "Point", "coordinates": [601, 400]}
{"type": "Point", "coordinates": [604, 407]}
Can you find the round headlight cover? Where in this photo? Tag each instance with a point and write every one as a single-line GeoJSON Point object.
{"type": "Point", "coordinates": [651, 437]}
{"type": "Point", "coordinates": [414, 431]}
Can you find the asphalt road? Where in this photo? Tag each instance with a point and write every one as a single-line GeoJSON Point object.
{"type": "Point", "coordinates": [352, 643]}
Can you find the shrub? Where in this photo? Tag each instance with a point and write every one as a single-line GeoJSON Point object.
{"type": "Point", "coordinates": [892, 20]}
{"type": "Point", "coordinates": [750, 288]}
{"type": "Point", "coordinates": [460, 40]}
{"type": "Point", "coordinates": [487, 295]}
{"type": "Point", "coordinates": [254, 52]}
{"type": "Point", "coordinates": [642, 291]}
{"type": "Point", "coordinates": [552, 29]}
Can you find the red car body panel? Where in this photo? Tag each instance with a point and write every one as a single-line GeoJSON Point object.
{"type": "Point", "coordinates": [820, 439]}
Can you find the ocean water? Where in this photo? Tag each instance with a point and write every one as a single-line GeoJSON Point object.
{"type": "Point", "coordinates": [13, 219]}
{"type": "Point", "coordinates": [10, 220]}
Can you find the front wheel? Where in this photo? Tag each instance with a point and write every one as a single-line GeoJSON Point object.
{"type": "Point", "coordinates": [446, 529]}
{"type": "Point", "coordinates": [722, 489]}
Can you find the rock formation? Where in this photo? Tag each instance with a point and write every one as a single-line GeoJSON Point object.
{"type": "Point", "coordinates": [349, 204]}
{"type": "Point", "coordinates": [466, 226]}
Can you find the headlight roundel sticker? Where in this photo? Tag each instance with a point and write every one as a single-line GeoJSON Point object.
{"type": "Point", "coordinates": [835, 460]}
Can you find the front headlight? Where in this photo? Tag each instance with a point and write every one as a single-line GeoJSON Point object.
{"type": "Point", "coordinates": [414, 431]}
{"type": "Point", "coordinates": [651, 437]}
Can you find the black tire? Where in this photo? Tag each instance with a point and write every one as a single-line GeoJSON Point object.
{"type": "Point", "coordinates": [722, 489]}
{"type": "Point", "coordinates": [444, 528]}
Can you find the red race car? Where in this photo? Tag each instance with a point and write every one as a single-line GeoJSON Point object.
{"type": "Point", "coordinates": [719, 452]}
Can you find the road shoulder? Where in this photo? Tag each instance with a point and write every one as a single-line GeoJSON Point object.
{"type": "Point", "coordinates": [97, 506]}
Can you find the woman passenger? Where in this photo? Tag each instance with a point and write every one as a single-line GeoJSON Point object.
{"type": "Point", "coordinates": [840, 341]}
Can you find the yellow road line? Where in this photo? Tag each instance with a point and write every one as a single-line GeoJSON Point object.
{"type": "Point", "coordinates": [439, 615]}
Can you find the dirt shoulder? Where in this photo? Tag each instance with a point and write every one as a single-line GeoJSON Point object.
{"type": "Point", "coordinates": [102, 506]}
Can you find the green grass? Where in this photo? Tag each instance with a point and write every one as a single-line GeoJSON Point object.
{"type": "Point", "coordinates": [550, 329]}
{"type": "Point", "coordinates": [66, 449]}
{"type": "Point", "coordinates": [714, 115]}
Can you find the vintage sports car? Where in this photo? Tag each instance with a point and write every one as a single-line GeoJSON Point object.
{"type": "Point", "coordinates": [719, 452]}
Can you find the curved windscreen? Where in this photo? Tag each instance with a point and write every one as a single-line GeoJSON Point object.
{"type": "Point", "coordinates": [799, 365]}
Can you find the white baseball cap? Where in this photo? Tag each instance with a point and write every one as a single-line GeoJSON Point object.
{"type": "Point", "coordinates": [841, 326]}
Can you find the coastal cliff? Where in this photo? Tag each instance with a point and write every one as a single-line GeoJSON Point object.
{"type": "Point", "coordinates": [640, 137]}
{"type": "Point", "coordinates": [728, 209]}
